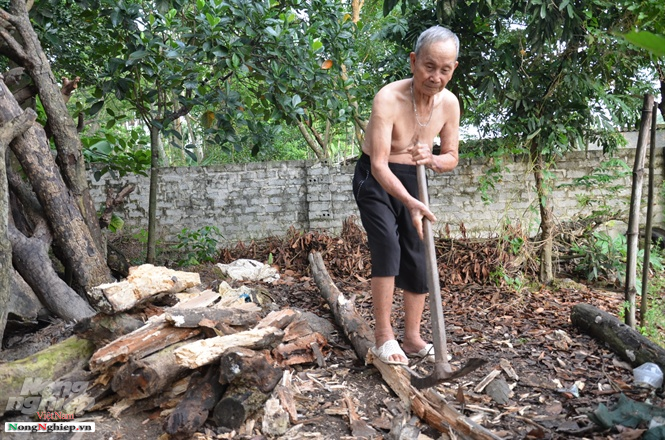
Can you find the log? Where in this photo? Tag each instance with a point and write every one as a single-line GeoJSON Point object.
{"type": "Point", "coordinates": [102, 329]}
{"type": "Point", "coordinates": [142, 378]}
{"type": "Point", "coordinates": [206, 351]}
{"type": "Point", "coordinates": [143, 282]}
{"type": "Point", "coordinates": [22, 381]}
{"type": "Point", "coordinates": [424, 403]}
{"type": "Point", "coordinates": [249, 367]}
{"type": "Point", "coordinates": [239, 403]}
{"type": "Point", "coordinates": [193, 410]}
{"type": "Point", "coordinates": [626, 342]}
{"type": "Point", "coordinates": [356, 329]}
{"type": "Point", "coordinates": [155, 335]}
{"type": "Point", "coordinates": [232, 316]}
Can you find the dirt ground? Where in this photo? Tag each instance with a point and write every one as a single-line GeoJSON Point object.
{"type": "Point", "coordinates": [561, 375]}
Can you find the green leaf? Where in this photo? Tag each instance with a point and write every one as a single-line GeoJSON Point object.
{"type": "Point", "coordinates": [95, 108]}
{"type": "Point", "coordinates": [654, 43]}
{"type": "Point", "coordinates": [138, 55]}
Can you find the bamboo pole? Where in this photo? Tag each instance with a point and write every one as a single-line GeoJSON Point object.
{"type": "Point", "coordinates": [633, 220]}
{"type": "Point", "coordinates": [644, 304]}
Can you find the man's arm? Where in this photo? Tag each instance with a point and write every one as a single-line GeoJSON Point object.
{"type": "Point", "coordinates": [448, 158]}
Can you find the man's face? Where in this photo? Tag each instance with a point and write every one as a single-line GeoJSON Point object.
{"type": "Point", "coordinates": [434, 66]}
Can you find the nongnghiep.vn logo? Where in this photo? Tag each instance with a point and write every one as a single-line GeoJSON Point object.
{"type": "Point", "coordinates": [50, 398]}
{"type": "Point", "coordinates": [49, 427]}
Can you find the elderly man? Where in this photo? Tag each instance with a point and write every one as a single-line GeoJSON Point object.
{"type": "Point", "coordinates": [406, 117]}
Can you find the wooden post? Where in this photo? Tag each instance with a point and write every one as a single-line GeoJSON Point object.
{"type": "Point", "coordinates": [634, 218]}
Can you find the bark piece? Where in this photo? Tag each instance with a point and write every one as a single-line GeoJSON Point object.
{"type": "Point", "coordinates": [152, 337]}
{"type": "Point", "coordinates": [205, 351]}
{"type": "Point", "coordinates": [143, 282]}
{"type": "Point", "coordinates": [626, 342]}
{"type": "Point", "coordinates": [193, 410]}
{"type": "Point", "coordinates": [142, 378]}
{"type": "Point", "coordinates": [249, 367]}
{"type": "Point", "coordinates": [42, 368]}
{"type": "Point", "coordinates": [426, 404]}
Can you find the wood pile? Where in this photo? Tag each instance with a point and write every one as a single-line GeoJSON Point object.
{"type": "Point", "coordinates": [211, 355]}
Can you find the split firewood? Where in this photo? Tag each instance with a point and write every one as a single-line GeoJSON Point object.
{"type": "Point", "coordinates": [206, 351]}
{"type": "Point", "coordinates": [38, 370]}
{"type": "Point", "coordinates": [508, 369]}
{"type": "Point", "coordinates": [250, 368]}
{"type": "Point", "coordinates": [301, 350]}
{"type": "Point", "coordinates": [436, 412]}
{"type": "Point", "coordinates": [275, 420]}
{"type": "Point", "coordinates": [152, 337]}
{"type": "Point", "coordinates": [142, 378]}
{"type": "Point", "coordinates": [626, 342]}
{"type": "Point", "coordinates": [244, 318]}
{"type": "Point", "coordinates": [144, 282]}
{"type": "Point", "coordinates": [279, 319]}
{"type": "Point", "coordinates": [285, 393]}
{"type": "Point", "coordinates": [486, 380]}
{"type": "Point", "coordinates": [359, 428]}
{"type": "Point", "coordinates": [194, 408]}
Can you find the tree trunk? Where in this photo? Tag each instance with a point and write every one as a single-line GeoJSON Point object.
{"type": "Point", "coordinates": [634, 217]}
{"type": "Point", "coordinates": [70, 232]}
{"type": "Point", "coordinates": [8, 131]}
{"type": "Point", "coordinates": [31, 56]}
{"type": "Point", "coordinates": [626, 342]}
{"type": "Point", "coordinates": [152, 197]}
{"type": "Point", "coordinates": [30, 256]}
{"type": "Point", "coordinates": [546, 217]}
{"type": "Point", "coordinates": [23, 302]}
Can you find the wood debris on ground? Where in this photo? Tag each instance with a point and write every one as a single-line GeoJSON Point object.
{"type": "Point", "coordinates": [245, 360]}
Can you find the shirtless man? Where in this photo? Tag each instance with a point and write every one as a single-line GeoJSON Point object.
{"type": "Point", "coordinates": [406, 117]}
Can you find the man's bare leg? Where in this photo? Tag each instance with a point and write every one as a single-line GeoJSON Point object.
{"type": "Point", "coordinates": [414, 304]}
{"type": "Point", "coordinates": [382, 300]}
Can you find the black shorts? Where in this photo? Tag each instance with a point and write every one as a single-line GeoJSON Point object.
{"type": "Point", "coordinates": [394, 245]}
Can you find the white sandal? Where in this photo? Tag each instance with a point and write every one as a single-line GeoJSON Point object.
{"type": "Point", "coordinates": [389, 348]}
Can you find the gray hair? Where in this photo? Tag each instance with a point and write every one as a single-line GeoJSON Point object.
{"type": "Point", "coordinates": [436, 34]}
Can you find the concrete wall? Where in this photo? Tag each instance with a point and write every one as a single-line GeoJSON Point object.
{"type": "Point", "coordinates": [265, 199]}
